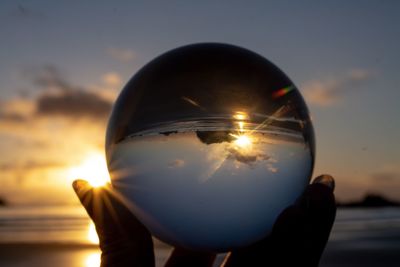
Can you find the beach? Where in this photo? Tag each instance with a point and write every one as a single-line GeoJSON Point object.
{"type": "Point", "coordinates": [53, 236]}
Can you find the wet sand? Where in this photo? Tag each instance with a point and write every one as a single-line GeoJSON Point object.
{"type": "Point", "coordinates": [64, 255]}
{"type": "Point", "coordinates": [360, 237]}
{"type": "Point", "coordinates": [35, 255]}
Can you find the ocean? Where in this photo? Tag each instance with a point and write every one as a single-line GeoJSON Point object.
{"type": "Point", "coordinates": [65, 236]}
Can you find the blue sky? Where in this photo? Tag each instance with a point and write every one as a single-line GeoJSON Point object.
{"type": "Point", "coordinates": [343, 55]}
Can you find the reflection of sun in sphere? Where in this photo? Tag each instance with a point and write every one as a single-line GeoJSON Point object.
{"type": "Point", "coordinates": [242, 141]}
{"type": "Point", "coordinates": [200, 144]}
{"type": "Point", "coordinates": [239, 115]}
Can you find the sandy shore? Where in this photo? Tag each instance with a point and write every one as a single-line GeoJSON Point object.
{"type": "Point", "coordinates": [35, 255]}
{"type": "Point", "coordinates": [64, 255]}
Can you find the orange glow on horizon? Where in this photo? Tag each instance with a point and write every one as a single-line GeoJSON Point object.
{"type": "Point", "coordinates": [93, 169]}
{"type": "Point", "coordinates": [93, 260]}
{"type": "Point", "coordinates": [92, 234]}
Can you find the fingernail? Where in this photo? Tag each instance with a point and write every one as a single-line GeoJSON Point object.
{"type": "Point", "coordinates": [79, 184]}
{"type": "Point", "coordinates": [325, 179]}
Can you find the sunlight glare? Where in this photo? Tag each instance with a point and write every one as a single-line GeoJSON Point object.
{"type": "Point", "coordinates": [93, 260]}
{"type": "Point", "coordinates": [93, 169]}
{"type": "Point", "coordinates": [239, 115]}
{"type": "Point", "coordinates": [243, 141]}
{"type": "Point", "coordinates": [92, 234]}
{"type": "Point", "coordinates": [241, 124]}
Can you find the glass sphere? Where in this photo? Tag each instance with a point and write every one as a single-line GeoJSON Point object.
{"type": "Point", "coordinates": [207, 144]}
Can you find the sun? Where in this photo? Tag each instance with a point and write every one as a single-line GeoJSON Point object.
{"type": "Point", "coordinates": [243, 141]}
{"type": "Point", "coordinates": [93, 259]}
{"type": "Point", "coordinates": [92, 234]}
{"type": "Point", "coordinates": [93, 169]}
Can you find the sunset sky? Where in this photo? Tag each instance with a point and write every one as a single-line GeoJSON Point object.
{"type": "Point", "coordinates": [62, 64]}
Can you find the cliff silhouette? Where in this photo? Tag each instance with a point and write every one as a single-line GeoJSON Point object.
{"type": "Point", "coordinates": [370, 201]}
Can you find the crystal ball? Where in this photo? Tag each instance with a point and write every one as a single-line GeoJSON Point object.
{"type": "Point", "coordinates": [207, 144]}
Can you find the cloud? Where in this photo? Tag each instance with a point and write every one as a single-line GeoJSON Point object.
{"type": "Point", "coordinates": [178, 163]}
{"type": "Point", "coordinates": [330, 91]}
{"type": "Point", "coordinates": [60, 97]}
{"type": "Point", "coordinates": [248, 157]}
{"type": "Point", "coordinates": [359, 74]}
{"type": "Point", "coordinates": [112, 79]}
{"type": "Point", "coordinates": [122, 55]}
{"type": "Point", "coordinates": [30, 165]}
{"type": "Point", "coordinates": [25, 12]}
{"type": "Point", "coordinates": [15, 110]}
{"type": "Point", "coordinates": [73, 104]}
{"type": "Point", "coordinates": [12, 117]}
{"type": "Point", "coordinates": [49, 77]}
{"type": "Point", "coordinates": [52, 128]}
{"type": "Point", "coordinates": [271, 168]}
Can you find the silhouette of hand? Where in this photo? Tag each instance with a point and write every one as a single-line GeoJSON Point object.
{"type": "Point", "coordinates": [124, 241]}
{"type": "Point", "coordinates": [300, 233]}
{"type": "Point", "coordinates": [298, 238]}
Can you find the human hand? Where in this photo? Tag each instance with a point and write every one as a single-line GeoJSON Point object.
{"type": "Point", "coordinates": [124, 241]}
{"type": "Point", "coordinates": [298, 238]}
{"type": "Point", "coordinates": [300, 233]}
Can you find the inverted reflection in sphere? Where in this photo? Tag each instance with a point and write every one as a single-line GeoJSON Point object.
{"type": "Point", "coordinates": [207, 144]}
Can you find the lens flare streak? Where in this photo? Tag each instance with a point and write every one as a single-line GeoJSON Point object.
{"type": "Point", "coordinates": [283, 91]}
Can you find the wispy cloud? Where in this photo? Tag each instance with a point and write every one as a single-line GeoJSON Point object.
{"type": "Point", "coordinates": [53, 127]}
{"type": "Point", "coordinates": [112, 79]}
{"type": "Point", "coordinates": [122, 55]}
{"type": "Point", "coordinates": [30, 165]}
{"type": "Point", "coordinates": [74, 104]}
{"type": "Point", "coordinates": [49, 77]}
{"type": "Point", "coordinates": [25, 12]}
{"type": "Point", "coordinates": [329, 91]}
{"type": "Point", "coordinates": [177, 163]}
{"type": "Point", "coordinates": [16, 110]}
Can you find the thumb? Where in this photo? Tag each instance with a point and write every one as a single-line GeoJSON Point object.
{"type": "Point", "coordinates": [85, 193]}
{"type": "Point", "coordinates": [81, 188]}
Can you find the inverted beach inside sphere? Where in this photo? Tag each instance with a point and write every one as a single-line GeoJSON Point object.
{"type": "Point", "coordinates": [207, 144]}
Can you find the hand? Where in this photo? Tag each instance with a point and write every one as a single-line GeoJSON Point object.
{"type": "Point", "coordinates": [298, 238]}
{"type": "Point", "coordinates": [300, 233]}
{"type": "Point", "coordinates": [124, 241]}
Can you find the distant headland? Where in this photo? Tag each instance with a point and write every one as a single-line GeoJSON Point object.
{"type": "Point", "coordinates": [370, 201]}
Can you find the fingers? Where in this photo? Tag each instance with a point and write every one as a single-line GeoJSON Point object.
{"type": "Point", "coordinates": [183, 258]}
{"type": "Point", "coordinates": [327, 180]}
{"type": "Point", "coordinates": [94, 201]}
{"type": "Point", "coordinates": [320, 209]}
{"type": "Point", "coordinates": [124, 241]}
{"type": "Point", "coordinates": [300, 232]}
{"type": "Point", "coordinates": [84, 192]}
